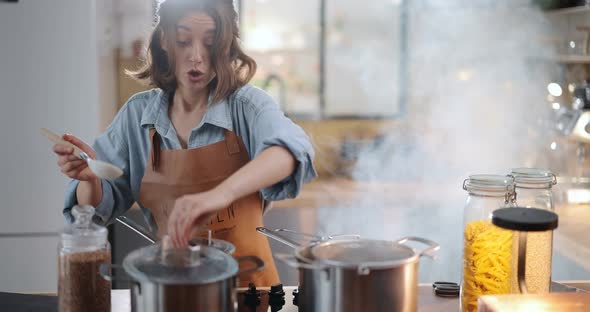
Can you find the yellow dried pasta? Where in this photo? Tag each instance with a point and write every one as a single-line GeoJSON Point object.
{"type": "Point", "coordinates": [486, 262]}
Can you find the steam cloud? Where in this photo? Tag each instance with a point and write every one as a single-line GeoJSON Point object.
{"type": "Point", "coordinates": [477, 102]}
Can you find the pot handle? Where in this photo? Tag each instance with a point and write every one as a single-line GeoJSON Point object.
{"type": "Point", "coordinates": [428, 252]}
{"type": "Point", "coordinates": [132, 225]}
{"type": "Point", "coordinates": [278, 236]}
{"type": "Point", "coordinates": [291, 261]}
{"type": "Point", "coordinates": [274, 234]}
{"type": "Point", "coordinates": [316, 238]}
{"type": "Point", "coordinates": [105, 270]}
{"type": "Point", "coordinates": [259, 264]}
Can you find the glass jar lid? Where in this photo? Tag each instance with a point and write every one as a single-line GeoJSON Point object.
{"type": "Point", "coordinates": [531, 176]}
{"type": "Point", "coordinates": [525, 219]}
{"type": "Point", "coordinates": [83, 233]}
{"type": "Point", "coordinates": [489, 183]}
{"type": "Point", "coordinates": [188, 266]}
{"type": "Point", "coordinates": [364, 253]}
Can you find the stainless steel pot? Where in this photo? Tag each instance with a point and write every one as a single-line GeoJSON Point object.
{"type": "Point", "coordinates": [346, 275]}
{"type": "Point", "coordinates": [197, 279]}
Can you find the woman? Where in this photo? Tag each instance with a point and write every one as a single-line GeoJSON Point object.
{"type": "Point", "coordinates": [203, 147]}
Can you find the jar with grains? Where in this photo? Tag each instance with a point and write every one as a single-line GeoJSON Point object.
{"type": "Point", "coordinates": [83, 248]}
{"type": "Point", "coordinates": [524, 222]}
{"type": "Point", "coordinates": [533, 189]}
{"type": "Point", "coordinates": [487, 249]}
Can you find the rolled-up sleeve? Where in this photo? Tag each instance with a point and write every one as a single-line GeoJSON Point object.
{"type": "Point", "coordinates": [116, 195]}
{"type": "Point", "coordinates": [271, 128]}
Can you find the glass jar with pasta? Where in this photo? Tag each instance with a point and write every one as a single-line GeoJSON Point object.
{"type": "Point", "coordinates": [487, 249]}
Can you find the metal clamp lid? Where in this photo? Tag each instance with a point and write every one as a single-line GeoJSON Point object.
{"type": "Point", "coordinates": [491, 185]}
{"type": "Point", "coordinates": [527, 177]}
{"type": "Point", "coordinates": [489, 182]}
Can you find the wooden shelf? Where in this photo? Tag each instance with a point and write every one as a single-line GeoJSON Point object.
{"type": "Point", "coordinates": [574, 59]}
{"type": "Point", "coordinates": [566, 11]}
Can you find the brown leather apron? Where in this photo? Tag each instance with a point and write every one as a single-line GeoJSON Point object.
{"type": "Point", "coordinates": [170, 174]}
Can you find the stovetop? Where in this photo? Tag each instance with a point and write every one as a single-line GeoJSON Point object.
{"type": "Point", "coordinates": [271, 299]}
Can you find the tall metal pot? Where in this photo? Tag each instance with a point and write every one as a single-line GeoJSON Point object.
{"type": "Point", "coordinates": [340, 274]}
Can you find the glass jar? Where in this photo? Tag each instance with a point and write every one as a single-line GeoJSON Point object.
{"type": "Point", "coordinates": [533, 188]}
{"type": "Point", "coordinates": [531, 264]}
{"type": "Point", "coordinates": [82, 250]}
{"type": "Point", "coordinates": [487, 249]}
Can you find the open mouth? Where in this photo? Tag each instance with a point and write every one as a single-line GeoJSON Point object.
{"type": "Point", "coordinates": [195, 74]}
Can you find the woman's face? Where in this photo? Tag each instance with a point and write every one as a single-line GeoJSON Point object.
{"type": "Point", "coordinates": [194, 39]}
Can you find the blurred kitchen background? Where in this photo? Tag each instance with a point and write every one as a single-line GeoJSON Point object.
{"type": "Point", "coordinates": [402, 100]}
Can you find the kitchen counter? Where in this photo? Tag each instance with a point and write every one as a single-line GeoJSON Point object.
{"type": "Point", "coordinates": [427, 301]}
{"type": "Point", "coordinates": [120, 299]}
{"type": "Point", "coordinates": [571, 237]}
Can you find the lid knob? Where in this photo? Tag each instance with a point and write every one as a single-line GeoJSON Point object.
{"type": "Point", "coordinates": [82, 215]}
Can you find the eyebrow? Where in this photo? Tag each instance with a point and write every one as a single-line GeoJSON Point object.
{"type": "Point", "coordinates": [186, 28]}
{"type": "Point", "coordinates": [179, 27]}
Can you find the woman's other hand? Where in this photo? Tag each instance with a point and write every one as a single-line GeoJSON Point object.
{"type": "Point", "coordinates": [192, 211]}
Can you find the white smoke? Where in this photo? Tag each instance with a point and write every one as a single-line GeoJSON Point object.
{"type": "Point", "coordinates": [477, 101]}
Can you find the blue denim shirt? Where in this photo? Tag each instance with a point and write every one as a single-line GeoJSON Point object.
{"type": "Point", "coordinates": [250, 112]}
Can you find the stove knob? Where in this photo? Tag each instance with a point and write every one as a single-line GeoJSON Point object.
{"type": "Point", "coordinates": [296, 297]}
{"type": "Point", "coordinates": [252, 296]}
{"type": "Point", "coordinates": [276, 297]}
{"type": "Point", "coordinates": [277, 289]}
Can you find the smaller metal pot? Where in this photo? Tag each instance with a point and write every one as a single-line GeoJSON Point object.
{"type": "Point", "coordinates": [201, 278]}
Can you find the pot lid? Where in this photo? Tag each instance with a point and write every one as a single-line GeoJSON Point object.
{"type": "Point", "coordinates": [222, 245]}
{"type": "Point", "coordinates": [196, 265]}
{"type": "Point", "coordinates": [363, 252]}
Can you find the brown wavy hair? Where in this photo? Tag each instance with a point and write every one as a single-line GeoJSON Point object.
{"type": "Point", "coordinates": [233, 68]}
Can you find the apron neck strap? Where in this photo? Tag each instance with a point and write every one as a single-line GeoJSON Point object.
{"type": "Point", "coordinates": [155, 139]}
{"type": "Point", "coordinates": [231, 141]}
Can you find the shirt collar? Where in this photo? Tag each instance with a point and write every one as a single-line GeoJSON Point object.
{"type": "Point", "coordinates": [156, 114]}
{"type": "Point", "coordinates": [156, 111]}
{"type": "Point", "coordinates": [219, 114]}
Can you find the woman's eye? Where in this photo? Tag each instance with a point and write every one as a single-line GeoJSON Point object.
{"type": "Point", "coordinates": [181, 43]}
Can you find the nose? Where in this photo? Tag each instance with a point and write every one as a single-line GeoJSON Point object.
{"type": "Point", "coordinates": [196, 54]}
